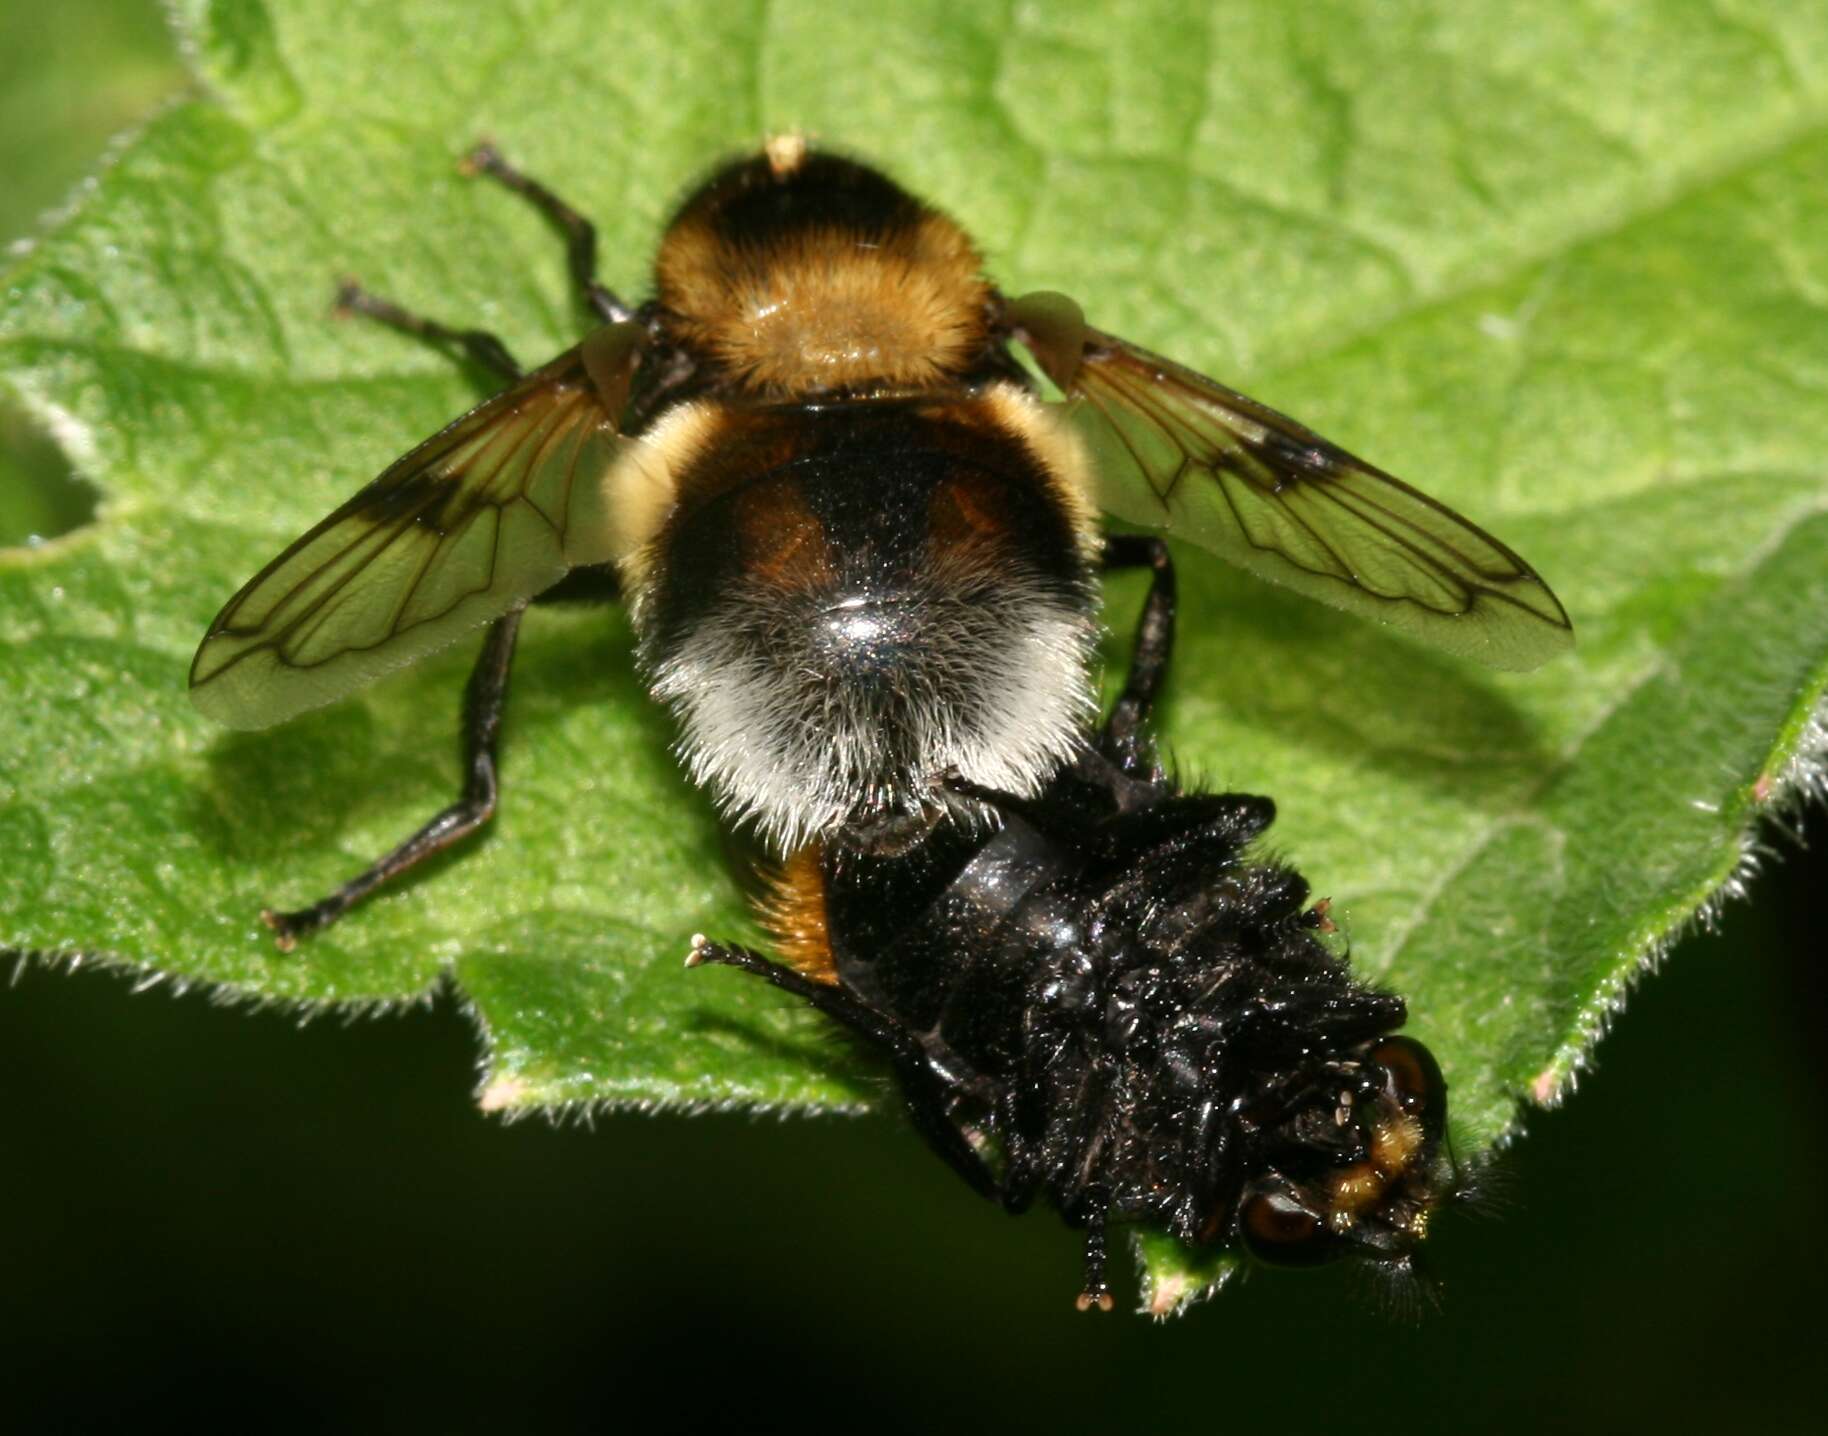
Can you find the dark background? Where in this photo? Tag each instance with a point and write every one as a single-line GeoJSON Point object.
{"type": "Point", "coordinates": [219, 1217]}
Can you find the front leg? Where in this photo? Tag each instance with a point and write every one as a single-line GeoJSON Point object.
{"type": "Point", "coordinates": [580, 233]}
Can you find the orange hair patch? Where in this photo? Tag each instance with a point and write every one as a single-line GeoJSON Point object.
{"type": "Point", "coordinates": [793, 910]}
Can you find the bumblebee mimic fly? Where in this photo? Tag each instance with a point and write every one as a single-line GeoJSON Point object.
{"type": "Point", "coordinates": [1106, 1002]}
{"type": "Point", "coordinates": [860, 549]}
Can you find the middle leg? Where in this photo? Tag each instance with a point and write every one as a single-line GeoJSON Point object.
{"type": "Point", "coordinates": [480, 346]}
{"type": "Point", "coordinates": [1124, 738]}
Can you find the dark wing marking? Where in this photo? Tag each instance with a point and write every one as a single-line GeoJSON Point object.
{"type": "Point", "coordinates": [479, 519]}
{"type": "Point", "coordinates": [1176, 451]}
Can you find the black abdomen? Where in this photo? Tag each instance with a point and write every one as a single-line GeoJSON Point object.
{"type": "Point", "coordinates": [849, 601]}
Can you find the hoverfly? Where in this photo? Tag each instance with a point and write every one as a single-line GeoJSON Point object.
{"type": "Point", "coordinates": [859, 550]}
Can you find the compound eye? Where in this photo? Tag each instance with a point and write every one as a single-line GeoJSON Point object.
{"type": "Point", "coordinates": [1278, 1229]}
{"type": "Point", "coordinates": [1415, 1080]}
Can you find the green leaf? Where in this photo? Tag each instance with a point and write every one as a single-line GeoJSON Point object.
{"type": "Point", "coordinates": [1561, 266]}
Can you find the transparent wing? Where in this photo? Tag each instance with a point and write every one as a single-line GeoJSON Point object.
{"type": "Point", "coordinates": [480, 518]}
{"type": "Point", "coordinates": [1176, 451]}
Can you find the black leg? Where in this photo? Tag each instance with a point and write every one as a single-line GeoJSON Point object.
{"type": "Point", "coordinates": [1123, 731]}
{"type": "Point", "coordinates": [580, 234]}
{"type": "Point", "coordinates": [1031, 809]}
{"type": "Point", "coordinates": [593, 583]}
{"type": "Point", "coordinates": [1096, 1292]}
{"type": "Point", "coordinates": [834, 1001]}
{"type": "Point", "coordinates": [1021, 1177]}
{"type": "Point", "coordinates": [485, 695]}
{"type": "Point", "coordinates": [927, 1109]}
{"type": "Point", "coordinates": [485, 698]}
{"type": "Point", "coordinates": [919, 1087]}
{"type": "Point", "coordinates": [479, 345]}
